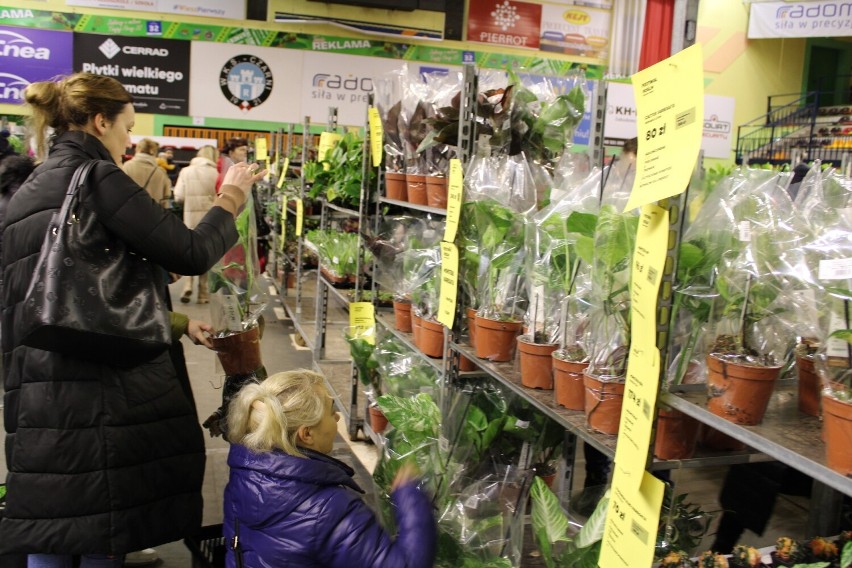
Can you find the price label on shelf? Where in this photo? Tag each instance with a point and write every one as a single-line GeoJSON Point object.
{"type": "Point", "coordinates": [376, 136]}
{"type": "Point", "coordinates": [260, 151]}
{"type": "Point", "coordinates": [632, 519]}
{"type": "Point", "coordinates": [454, 200]}
{"type": "Point", "coordinates": [328, 140]}
{"type": "Point", "coordinates": [670, 121]}
{"type": "Point", "coordinates": [284, 167]}
{"type": "Point", "coordinates": [449, 284]}
{"type": "Point", "coordinates": [283, 225]}
{"type": "Point", "coordinates": [362, 319]}
{"type": "Point", "coordinates": [300, 216]}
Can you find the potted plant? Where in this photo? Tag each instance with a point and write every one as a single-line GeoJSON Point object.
{"type": "Point", "coordinates": [413, 129]}
{"type": "Point", "coordinates": [361, 348]}
{"type": "Point", "coordinates": [339, 175]}
{"type": "Point", "coordinates": [444, 95]}
{"type": "Point", "coordinates": [389, 90]}
{"type": "Point", "coordinates": [238, 300]}
{"type": "Point", "coordinates": [683, 525]}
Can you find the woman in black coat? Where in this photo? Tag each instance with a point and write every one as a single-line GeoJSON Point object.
{"type": "Point", "coordinates": [103, 458]}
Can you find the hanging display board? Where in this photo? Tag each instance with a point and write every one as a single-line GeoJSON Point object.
{"type": "Point", "coordinates": [815, 18]}
{"type": "Point", "coordinates": [31, 55]}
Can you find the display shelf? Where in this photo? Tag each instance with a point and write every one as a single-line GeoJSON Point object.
{"type": "Point", "coordinates": [386, 320]}
{"type": "Point", "coordinates": [306, 329]}
{"type": "Point", "coordinates": [785, 433]}
{"type": "Point", "coordinates": [338, 376]}
{"type": "Point", "coordinates": [336, 292]}
{"type": "Point", "coordinates": [414, 206]}
{"type": "Point", "coordinates": [340, 209]}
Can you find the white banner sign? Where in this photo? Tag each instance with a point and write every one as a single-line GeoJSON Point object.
{"type": "Point", "coordinates": [620, 122]}
{"type": "Point", "coordinates": [812, 18]}
{"type": "Point", "coordinates": [342, 81]}
{"type": "Point", "coordinates": [245, 82]}
{"type": "Point", "coordinates": [575, 30]}
{"type": "Point", "coordinates": [230, 9]}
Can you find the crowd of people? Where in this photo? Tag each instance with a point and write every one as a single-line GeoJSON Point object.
{"type": "Point", "coordinates": [116, 444]}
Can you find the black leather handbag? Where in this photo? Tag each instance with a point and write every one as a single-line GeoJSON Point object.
{"type": "Point", "coordinates": [90, 296]}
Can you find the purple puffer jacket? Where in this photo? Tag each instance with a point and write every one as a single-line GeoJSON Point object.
{"type": "Point", "coordinates": [301, 513]}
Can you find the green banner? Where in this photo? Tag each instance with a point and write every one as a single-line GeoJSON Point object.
{"type": "Point", "coordinates": [113, 25]}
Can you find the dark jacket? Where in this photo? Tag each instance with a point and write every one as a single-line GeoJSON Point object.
{"type": "Point", "coordinates": [300, 513]}
{"type": "Point", "coordinates": [101, 459]}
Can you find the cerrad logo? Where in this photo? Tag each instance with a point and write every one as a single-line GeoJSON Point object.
{"type": "Point", "coordinates": [12, 88]}
{"type": "Point", "coordinates": [246, 81]}
{"type": "Point", "coordinates": [111, 49]}
{"type": "Point", "coordinates": [17, 45]}
{"type": "Point", "coordinates": [827, 10]}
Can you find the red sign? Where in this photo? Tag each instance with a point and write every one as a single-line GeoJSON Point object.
{"type": "Point", "coordinates": [504, 22]}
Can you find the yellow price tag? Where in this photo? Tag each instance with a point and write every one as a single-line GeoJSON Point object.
{"type": "Point", "coordinates": [449, 284]}
{"type": "Point", "coordinates": [260, 150]}
{"type": "Point", "coordinates": [643, 366]}
{"type": "Point", "coordinates": [300, 216]}
{"type": "Point", "coordinates": [454, 200]}
{"type": "Point", "coordinates": [362, 319]}
{"type": "Point", "coordinates": [284, 167]}
{"type": "Point", "coordinates": [283, 225]}
{"type": "Point", "coordinates": [670, 122]}
{"type": "Point", "coordinates": [631, 526]}
{"type": "Point", "coordinates": [376, 136]}
{"type": "Point", "coordinates": [328, 140]}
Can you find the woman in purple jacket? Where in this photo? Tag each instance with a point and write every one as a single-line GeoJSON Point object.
{"type": "Point", "coordinates": [288, 503]}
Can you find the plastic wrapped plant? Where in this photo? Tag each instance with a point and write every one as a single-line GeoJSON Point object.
{"type": "Point", "coordinates": [339, 175]}
{"type": "Point", "coordinates": [682, 525]}
{"type": "Point", "coordinates": [389, 90]}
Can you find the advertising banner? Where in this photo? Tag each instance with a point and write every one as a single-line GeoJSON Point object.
{"type": "Point", "coordinates": [155, 71]}
{"type": "Point", "coordinates": [814, 18]}
{"type": "Point", "coordinates": [29, 55]}
{"type": "Point", "coordinates": [343, 81]}
{"type": "Point", "coordinates": [575, 30]}
{"type": "Point", "coordinates": [246, 82]}
{"type": "Point", "coordinates": [230, 9]}
{"type": "Point", "coordinates": [718, 131]}
{"type": "Point", "coordinates": [506, 22]}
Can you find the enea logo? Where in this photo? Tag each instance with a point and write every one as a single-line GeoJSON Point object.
{"type": "Point", "coordinates": [246, 81]}
{"type": "Point", "coordinates": [12, 88]}
{"type": "Point", "coordinates": [831, 10]}
{"type": "Point", "coordinates": [577, 17]}
{"type": "Point", "coordinates": [16, 45]}
{"type": "Point", "coordinates": [351, 83]}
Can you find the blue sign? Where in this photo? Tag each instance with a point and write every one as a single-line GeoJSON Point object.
{"type": "Point", "coordinates": [28, 55]}
{"type": "Point", "coordinates": [468, 57]}
{"type": "Point", "coordinates": [155, 28]}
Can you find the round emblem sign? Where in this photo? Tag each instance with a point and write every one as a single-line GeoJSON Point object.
{"type": "Point", "coordinates": [246, 81]}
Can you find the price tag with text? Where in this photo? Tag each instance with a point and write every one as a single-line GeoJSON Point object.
{"type": "Point", "coordinates": [328, 140]}
{"type": "Point", "coordinates": [631, 526]}
{"type": "Point", "coordinates": [670, 121]}
{"type": "Point", "coordinates": [283, 225]}
{"type": "Point", "coordinates": [449, 284]}
{"type": "Point", "coordinates": [284, 167]}
{"type": "Point", "coordinates": [362, 319]}
{"type": "Point", "coordinates": [300, 216]}
{"type": "Point", "coordinates": [454, 200]}
{"type": "Point", "coordinates": [260, 150]}
{"type": "Point", "coordinates": [376, 136]}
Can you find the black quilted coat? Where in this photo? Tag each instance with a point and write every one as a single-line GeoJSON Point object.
{"type": "Point", "coordinates": [101, 459]}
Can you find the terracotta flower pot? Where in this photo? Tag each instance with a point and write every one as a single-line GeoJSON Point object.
{"type": "Point", "coordinates": [416, 186]}
{"type": "Point", "coordinates": [395, 186]}
{"type": "Point", "coordinates": [739, 393]}
{"type": "Point", "coordinates": [809, 386]}
{"type": "Point", "coordinates": [466, 365]}
{"type": "Point", "coordinates": [837, 433]}
{"type": "Point", "coordinates": [402, 316]}
{"type": "Point", "coordinates": [431, 341]}
{"type": "Point", "coordinates": [603, 403]}
{"type": "Point", "coordinates": [335, 280]}
{"type": "Point", "coordinates": [436, 191]}
{"type": "Point", "coordinates": [568, 383]}
{"type": "Point", "coordinates": [239, 352]}
{"type": "Point", "coordinates": [291, 280]}
{"type": "Point", "coordinates": [495, 340]}
{"type": "Point", "coordinates": [378, 422]}
{"type": "Point", "coordinates": [677, 434]}
{"type": "Point", "coordinates": [536, 363]}
{"type": "Point", "coordinates": [416, 327]}
{"type": "Point", "coordinates": [471, 325]}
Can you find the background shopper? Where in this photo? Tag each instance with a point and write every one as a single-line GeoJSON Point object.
{"type": "Point", "coordinates": [234, 152]}
{"type": "Point", "coordinates": [196, 189]}
{"type": "Point", "coordinates": [143, 169]}
{"type": "Point", "coordinates": [292, 504]}
{"type": "Point", "coordinates": [117, 448]}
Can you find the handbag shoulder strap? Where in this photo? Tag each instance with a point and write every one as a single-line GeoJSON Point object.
{"type": "Point", "coordinates": [77, 181]}
{"type": "Point", "coordinates": [147, 181]}
{"type": "Point", "coordinates": [235, 544]}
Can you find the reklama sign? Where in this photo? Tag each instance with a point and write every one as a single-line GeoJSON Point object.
{"type": "Point", "coordinates": [154, 71]}
{"type": "Point", "coordinates": [504, 22]}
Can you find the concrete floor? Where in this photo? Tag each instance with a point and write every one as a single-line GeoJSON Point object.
{"type": "Point", "coordinates": [280, 352]}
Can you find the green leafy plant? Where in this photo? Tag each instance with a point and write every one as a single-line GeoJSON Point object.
{"type": "Point", "coordinates": [682, 525]}
{"type": "Point", "coordinates": [338, 252]}
{"type": "Point", "coordinates": [339, 176]}
{"type": "Point", "coordinates": [550, 528]}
